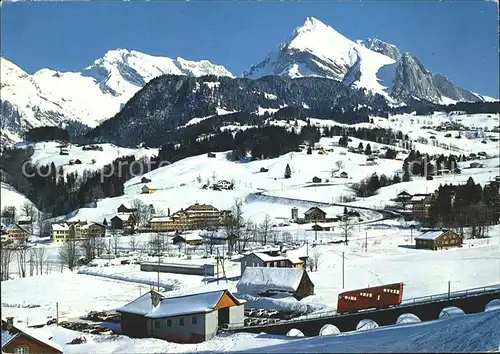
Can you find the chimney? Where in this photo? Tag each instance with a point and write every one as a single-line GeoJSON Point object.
{"type": "Point", "coordinates": [10, 323]}
{"type": "Point", "coordinates": [155, 298]}
{"type": "Point", "coordinates": [168, 212]}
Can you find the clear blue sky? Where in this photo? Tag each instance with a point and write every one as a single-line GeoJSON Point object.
{"type": "Point", "coordinates": [458, 39]}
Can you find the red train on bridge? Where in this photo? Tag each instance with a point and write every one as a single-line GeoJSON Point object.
{"type": "Point", "coordinates": [377, 297]}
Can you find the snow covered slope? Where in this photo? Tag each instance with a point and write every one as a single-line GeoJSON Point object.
{"type": "Point", "coordinates": [316, 49]}
{"type": "Point", "coordinates": [50, 97]}
{"type": "Point", "coordinates": [48, 152]}
{"type": "Point", "coordinates": [11, 197]}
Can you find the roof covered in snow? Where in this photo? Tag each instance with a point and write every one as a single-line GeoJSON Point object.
{"type": "Point", "coordinates": [430, 235]}
{"type": "Point", "coordinates": [160, 219]}
{"type": "Point", "coordinates": [24, 219]}
{"type": "Point", "coordinates": [190, 304]}
{"type": "Point", "coordinates": [14, 226]}
{"type": "Point", "coordinates": [260, 279]}
{"type": "Point", "coordinates": [123, 216]}
{"type": "Point", "coordinates": [41, 336]}
{"type": "Point", "coordinates": [190, 237]}
{"type": "Point", "coordinates": [140, 306]}
{"type": "Point", "coordinates": [60, 227]}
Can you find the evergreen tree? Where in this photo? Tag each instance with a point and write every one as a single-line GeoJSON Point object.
{"type": "Point", "coordinates": [309, 150]}
{"type": "Point", "coordinates": [288, 171]}
{"type": "Point", "coordinates": [368, 149]}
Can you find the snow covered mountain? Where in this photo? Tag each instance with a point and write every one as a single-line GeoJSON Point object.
{"type": "Point", "coordinates": [50, 97]}
{"type": "Point", "coordinates": [316, 49]}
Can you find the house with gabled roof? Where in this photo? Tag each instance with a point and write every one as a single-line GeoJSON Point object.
{"type": "Point", "coordinates": [190, 318]}
{"type": "Point", "coordinates": [263, 281]}
{"type": "Point", "coordinates": [438, 239]}
{"type": "Point", "coordinates": [24, 340]}
{"type": "Point", "coordinates": [16, 233]}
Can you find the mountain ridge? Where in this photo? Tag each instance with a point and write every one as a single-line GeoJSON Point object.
{"type": "Point", "coordinates": [101, 90]}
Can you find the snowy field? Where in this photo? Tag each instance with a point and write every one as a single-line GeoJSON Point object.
{"type": "Point", "coordinates": [48, 152]}
{"type": "Point", "coordinates": [11, 197]}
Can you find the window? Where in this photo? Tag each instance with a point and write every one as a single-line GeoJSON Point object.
{"type": "Point", "coordinates": [169, 323]}
{"type": "Point", "coordinates": [157, 324]}
{"type": "Point", "coordinates": [181, 322]}
{"type": "Point", "coordinates": [194, 320]}
{"type": "Point", "coordinates": [22, 350]}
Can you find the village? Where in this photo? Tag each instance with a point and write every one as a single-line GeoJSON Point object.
{"type": "Point", "coordinates": [190, 257]}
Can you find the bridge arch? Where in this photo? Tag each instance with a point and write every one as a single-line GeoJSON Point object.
{"type": "Point", "coordinates": [451, 311]}
{"type": "Point", "coordinates": [406, 318]}
{"type": "Point", "coordinates": [294, 332]}
{"type": "Point", "coordinates": [329, 330]}
{"type": "Point", "coordinates": [492, 305]}
{"type": "Point", "coordinates": [366, 324]}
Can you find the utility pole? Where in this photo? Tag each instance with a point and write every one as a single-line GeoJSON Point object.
{"type": "Point", "coordinates": [366, 241]}
{"type": "Point", "coordinates": [343, 274]}
{"type": "Point", "coordinates": [217, 266]}
{"type": "Point", "coordinates": [449, 287]}
{"type": "Point", "coordinates": [57, 313]}
{"type": "Point", "coordinates": [159, 262]}
{"type": "Point", "coordinates": [307, 248]}
{"type": "Point", "coordinates": [316, 233]}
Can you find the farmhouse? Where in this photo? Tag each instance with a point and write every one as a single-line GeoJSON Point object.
{"type": "Point", "coordinates": [420, 206]}
{"type": "Point", "coordinates": [145, 180]}
{"type": "Point", "coordinates": [211, 154]}
{"type": "Point", "coordinates": [272, 260]}
{"type": "Point", "coordinates": [190, 239]}
{"type": "Point", "coordinates": [260, 281]}
{"type": "Point", "coordinates": [17, 340]}
{"type": "Point", "coordinates": [122, 221]}
{"type": "Point", "coordinates": [146, 190]}
{"type": "Point", "coordinates": [263, 169]}
{"type": "Point", "coordinates": [316, 179]}
{"type": "Point", "coordinates": [438, 239]}
{"type": "Point", "coordinates": [314, 214]}
{"type": "Point", "coordinates": [475, 165]}
{"type": "Point", "coordinates": [321, 227]}
{"type": "Point", "coordinates": [185, 319]}
{"type": "Point", "coordinates": [16, 233]}
{"type": "Point", "coordinates": [124, 209]}
{"type": "Point", "coordinates": [343, 174]}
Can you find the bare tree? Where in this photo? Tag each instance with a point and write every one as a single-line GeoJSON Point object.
{"type": "Point", "coordinates": [347, 226]}
{"type": "Point", "coordinates": [40, 254]}
{"type": "Point", "coordinates": [133, 243]}
{"type": "Point", "coordinates": [68, 253]}
{"type": "Point", "coordinates": [142, 212]}
{"type": "Point", "coordinates": [214, 176]}
{"type": "Point", "coordinates": [339, 164]}
{"type": "Point", "coordinates": [314, 260]}
{"type": "Point", "coordinates": [29, 209]}
{"type": "Point", "coordinates": [90, 246]}
{"type": "Point", "coordinates": [116, 242]}
{"type": "Point", "coordinates": [31, 261]}
{"type": "Point", "coordinates": [21, 257]}
{"type": "Point", "coordinates": [6, 257]}
{"type": "Point", "coordinates": [246, 235]}
{"type": "Point", "coordinates": [264, 229]}
{"type": "Point", "coordinates": [198, 179]}
{"type": "Point", "coordinates": [210, 237]}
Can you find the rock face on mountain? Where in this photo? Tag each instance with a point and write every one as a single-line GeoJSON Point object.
{"type": "Point", "coordinates": [412, 79]}
{"type": "Point", "coordinates": [50, 97]}
{"type": "Point", "coordinates": [387, 49]}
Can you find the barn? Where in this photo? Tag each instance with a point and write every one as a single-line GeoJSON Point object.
{"type": "Point", "coordinates": [265, 281]}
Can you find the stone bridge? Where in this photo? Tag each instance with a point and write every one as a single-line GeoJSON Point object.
{"type": "Point", "coordinates": [426, 309]}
